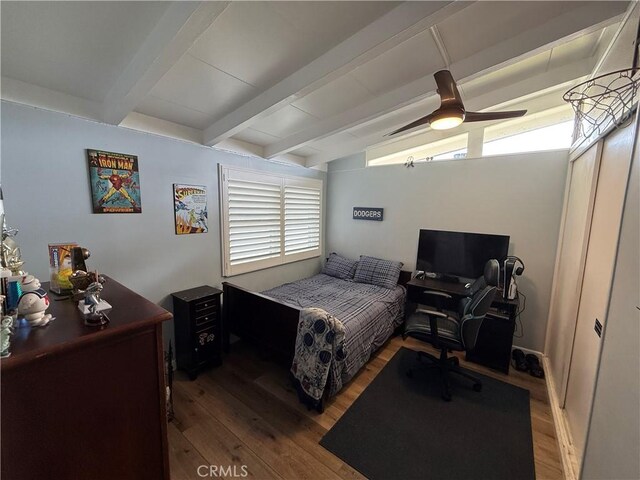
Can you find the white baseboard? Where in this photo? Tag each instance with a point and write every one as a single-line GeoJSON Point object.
{"type": "Point", "coordinates": [563, 434]}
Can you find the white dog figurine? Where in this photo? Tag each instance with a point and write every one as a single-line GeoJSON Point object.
{"type": "Point", "coordinates": [32, 305]}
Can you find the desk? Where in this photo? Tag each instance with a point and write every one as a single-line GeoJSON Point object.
{"type": "Point", "coordinates": [495, 339]}
{"type": "Point", "coordinates": [87, 402]}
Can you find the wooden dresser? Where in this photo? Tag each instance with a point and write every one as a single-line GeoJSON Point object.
{"type": "Point", "coordinates": [87, 403]}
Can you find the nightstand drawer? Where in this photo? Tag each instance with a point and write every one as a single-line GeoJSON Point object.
{"type": "Point", "coordinates": [207, 317]}
{"type": "Point", "coordinates": [205, 305]}
{"type": "Point", "coordinates": [206, 345]}
{"type": "Point", "coordinates": [206, 336]}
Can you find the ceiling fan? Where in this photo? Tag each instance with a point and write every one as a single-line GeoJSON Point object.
{"type": "Point", "coordinates": [451, 112]}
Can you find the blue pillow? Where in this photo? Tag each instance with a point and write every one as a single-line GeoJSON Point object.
{"type": "Point", "coordinates": [340, 267]}
{"type": "Point", "coordinates": [375, 271]}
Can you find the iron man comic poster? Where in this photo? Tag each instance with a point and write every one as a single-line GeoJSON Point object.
{"type": "Point", "coordinates": [115, 182]}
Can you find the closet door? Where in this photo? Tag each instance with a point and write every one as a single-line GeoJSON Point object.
{"type": "Point", "coordinates": [570, 266]}
{"type": "Point", "coordinates": [596, 285]}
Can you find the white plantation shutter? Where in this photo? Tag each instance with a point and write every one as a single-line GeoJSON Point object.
{"type": "Point", "coordinates": [267, 220]}
{"type": "Point", "coordinates": [254, 221]}
{"type": "Point", "coordinates": [301, 219]}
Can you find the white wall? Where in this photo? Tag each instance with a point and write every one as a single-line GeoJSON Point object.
{"type": "Point", "coordinates": [613, 439]}
{"type": "Point", "coordinates": [47, 197]}
{"type": "Point", "coordinates": [517, 195]}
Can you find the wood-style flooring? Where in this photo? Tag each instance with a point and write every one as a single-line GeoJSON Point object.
{"type": "Point", "coordinates": [246, 413]}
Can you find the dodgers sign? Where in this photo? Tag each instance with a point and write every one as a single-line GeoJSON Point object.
{"type": "Point", "coordinates": [367, 213]}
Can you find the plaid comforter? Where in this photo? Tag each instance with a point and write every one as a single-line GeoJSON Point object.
{"type": "Point", "coordinates": [368, 313]}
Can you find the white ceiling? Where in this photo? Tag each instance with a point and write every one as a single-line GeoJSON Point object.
{"type": "Point", "coordinates": [316, 80]}
{"type": "Point", "coordinates": [74, 47]}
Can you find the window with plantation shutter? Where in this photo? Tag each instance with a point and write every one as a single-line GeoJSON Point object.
{"type": "Point", "coordinates": [301, 219]}
{"type": "Point", "coordinates": [267, 220]}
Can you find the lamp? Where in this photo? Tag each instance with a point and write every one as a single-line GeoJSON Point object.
{"type": "Point", "coordinates": [444, 119]}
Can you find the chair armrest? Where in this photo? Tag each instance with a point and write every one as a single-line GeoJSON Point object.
{"type": "Point", "coordinates": [435, 313]}
{"type": "Point", "coordinates": [436, 293]}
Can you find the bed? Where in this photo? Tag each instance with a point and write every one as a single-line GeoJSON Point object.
{"type": "Point", "coordinates": [269, 319]}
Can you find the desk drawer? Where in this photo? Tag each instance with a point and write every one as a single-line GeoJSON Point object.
{"type": "Point", "coordinates": [440, 300]}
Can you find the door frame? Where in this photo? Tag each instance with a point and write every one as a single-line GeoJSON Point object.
{"type": "Point", "coordinates": [561, 384]}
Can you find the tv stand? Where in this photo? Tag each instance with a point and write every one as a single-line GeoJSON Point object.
{"type": "Point", "coordinates": [493, 346]}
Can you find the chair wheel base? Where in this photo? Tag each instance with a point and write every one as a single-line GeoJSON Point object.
{"type": "Point", "coordinates": [477, 387]}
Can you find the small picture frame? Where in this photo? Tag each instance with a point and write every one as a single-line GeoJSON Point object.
{"type": "Point", "coordinates": [190, 209]}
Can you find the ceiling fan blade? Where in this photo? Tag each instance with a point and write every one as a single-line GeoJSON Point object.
{"type": "Point", "coordinates": [417, 123]}
{"type": "Point", "coordinates": [448, 90]}
{"type": "Point", "coordinates": [484, 116]}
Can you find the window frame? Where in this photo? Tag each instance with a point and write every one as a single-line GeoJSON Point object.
{"type": "Point", "coordinates": [431, 150]}
{"type": "Point", "coordinates": [225, 172]}
{"type": "Point", "coordinates": [442, 143]}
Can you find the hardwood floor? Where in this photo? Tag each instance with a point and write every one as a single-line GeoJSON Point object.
{"type": "Point", "coordinates": [245, 413]}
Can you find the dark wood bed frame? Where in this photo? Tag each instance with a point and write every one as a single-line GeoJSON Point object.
{"type": "Point", "coordinates": [267, 323]}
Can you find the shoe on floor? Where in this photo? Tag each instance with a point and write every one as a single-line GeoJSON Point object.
{"type": "Point", "coordinates": [520, 363]}
{"type": "Point", "coordinates": [533, 365]}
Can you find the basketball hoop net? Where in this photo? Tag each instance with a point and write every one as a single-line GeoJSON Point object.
{"type": "Point", "coordinates": [603, 101]}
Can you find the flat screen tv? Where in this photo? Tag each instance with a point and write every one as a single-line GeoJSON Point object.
{"type": "Point", "coordinates": [459, 254]}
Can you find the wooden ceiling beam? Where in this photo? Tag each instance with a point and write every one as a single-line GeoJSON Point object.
{"type": "Point", "coordinates": [582, 20]}
{"type": "Point", "coordinates": [391, 29]}
{"type": "Point", "coordinates": [177, 30]}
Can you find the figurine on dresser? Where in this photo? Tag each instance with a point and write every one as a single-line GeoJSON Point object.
{"type": "Point", "coordinates": [33, 302]}
{"type": "Point", "coordinates": [87, 288]}
{"type": "Point", "coordinates": [6, 330]}
{"type": "Point", "coordinates": [92, 301]}
{"type": "Point", "coordinates": [10, 256]}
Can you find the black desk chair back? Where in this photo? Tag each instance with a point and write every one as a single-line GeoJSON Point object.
{"type": "Point", "coordinates": [454, 330]}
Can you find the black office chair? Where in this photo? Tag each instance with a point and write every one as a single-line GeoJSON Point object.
{"type": "Point", "coordinates": [447, 330]}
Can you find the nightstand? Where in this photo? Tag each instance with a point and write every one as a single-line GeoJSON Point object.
{"type": "Point", "coordinates": [197, 326]}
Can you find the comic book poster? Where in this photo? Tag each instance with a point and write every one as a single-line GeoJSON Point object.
{"type": "Point", "coordinates": [115, 182]}
{"type": "Point", "coordinates": [190, 204]}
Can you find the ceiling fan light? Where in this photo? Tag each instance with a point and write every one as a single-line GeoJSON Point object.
{"type": "Point", "coordinates": [447, 120]}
